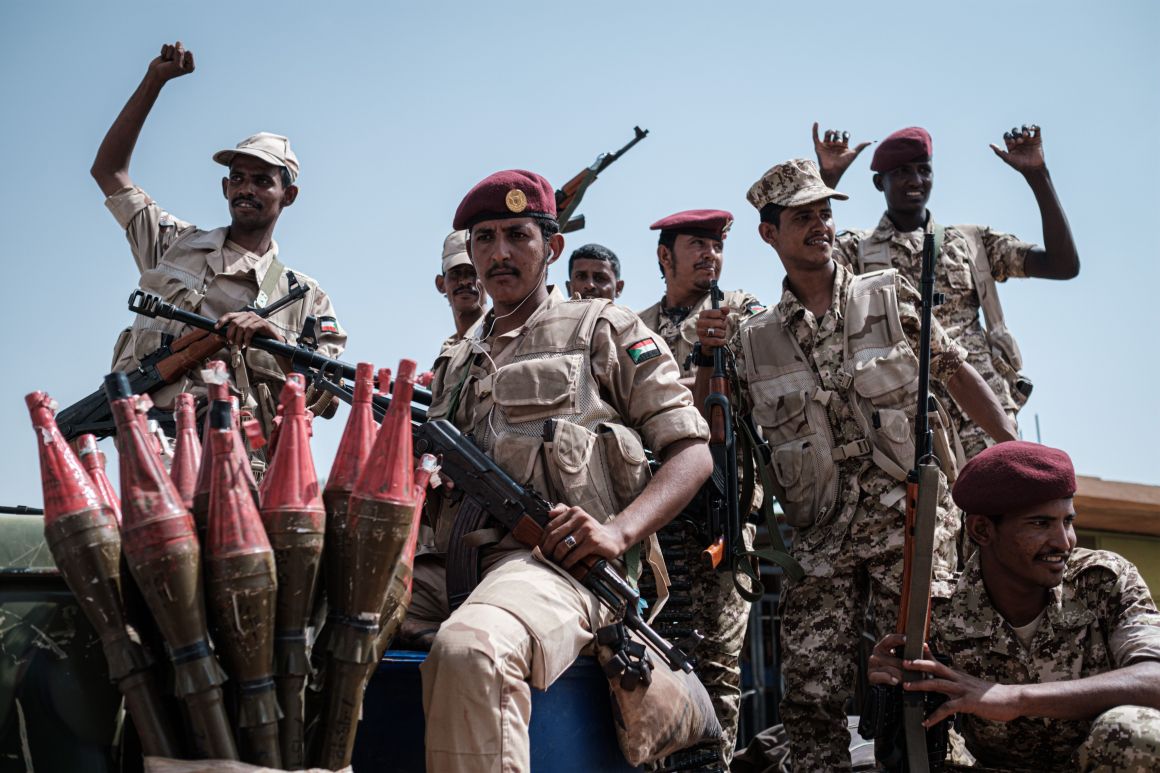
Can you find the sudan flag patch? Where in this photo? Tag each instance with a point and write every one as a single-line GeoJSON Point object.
{"type": "Point", "coordinates": [328, 325]}
{"type": "Point", "coordinates": [755, 308]}
{"type": "Point", "coordinates": [643, 350]}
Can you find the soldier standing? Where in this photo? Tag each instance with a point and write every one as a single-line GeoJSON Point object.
{"type": "Point", "coordinates": [214, 273]}
{"type": "Point", "coordinates": [458, 281]}
{"type": "Point", "coordinates": [691, 254]}
{"type": "Point", "coordinates": [831, 376]}
{"type": "Point", "coordinates": [1054, 649]}
{"type": "Point", "coordinates": [546, 380]}
{"type": "Point", "coordinates": [594, 272]}
{"type": "Point", "coordinates": [970, 259]}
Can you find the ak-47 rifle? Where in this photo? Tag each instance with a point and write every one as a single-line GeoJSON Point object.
{"type": "Point", "coordinates": [568, 197]}
{"type": "Point", "coordinates": [723, 506]}
{"type": "Point", "coordinates": [901, 743]}
{"type": "Point", "coordinates": [166, 365]}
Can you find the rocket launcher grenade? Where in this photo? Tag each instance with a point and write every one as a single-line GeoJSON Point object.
{"type": "Point", "coordinates": [160, 543]}
{"type": "Point", "coordinates": [295, 520]}
{"type": "Point", "coordinates": [241, 589]}
{"type": "Point", "coordinates": [93, 459]}
{"type": "Point", "coordinates": [893, 717]}
{"type": "Point", "coordinates": [217, 382]}
{"type": "Point", "coordinates": [186, 449]}
{"type": "Point", "coordinates": [382, 509]}
{"type": "Point", "coordinates": [82, 533]}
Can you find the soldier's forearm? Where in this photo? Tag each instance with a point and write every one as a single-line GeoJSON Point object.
{"type": "Point", "coordinates": [1135, 685]}
{"type": "Point", "coordinates": [977, 400]}
{"type": "Point", "coordinates": [687, 465]}
{"type": "Point", "coordinates": [111, 166]}
{"type": "Point", "coordinates": [1059, 258]}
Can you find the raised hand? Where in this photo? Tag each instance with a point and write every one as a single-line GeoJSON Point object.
{"type": "Point", "coordinates": [173, 62]}
{"type": "Point", "coordinates": [1024, 151]}
{"type": "Point", "coordinates": [835, 154]}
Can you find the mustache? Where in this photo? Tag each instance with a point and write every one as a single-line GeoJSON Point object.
{"type": "Point", "coordinates": [249, 199]}
{"type": "Point", "coordinates": [465, 290]}
{"type": "Point", "coordinates": [502, 268]}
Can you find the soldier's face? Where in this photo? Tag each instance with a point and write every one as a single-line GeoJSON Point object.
{"type": "Point", "coordinates": [1026, 550]}
{"type": "Point", "coordinates": [463, 289]}
{"type": "Point", "coordinates": [693, 263]}
{"type": "Point", "coordinates": [255, 192]}
{"type": "Point", "coordinates": [805, 236]}
{"type": "Point", "coordinates": [511, 257]}
{"type": "Point", "coordinates": [907, 188]}
{"type": "Point", "coordinates": [594, 279]}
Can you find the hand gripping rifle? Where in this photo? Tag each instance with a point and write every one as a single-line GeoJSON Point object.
{"type": "Point", "coordinates": [901, 743]}
{"type": "Point", "coordinates": [723, 506]}
{"type": "Point", "coordinates": [568, 197]}
{"type": "Point", "coordinates": [165, 365]}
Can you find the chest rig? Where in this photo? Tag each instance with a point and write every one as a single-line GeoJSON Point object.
{"type": "Point", "coordinates": [793, 402]}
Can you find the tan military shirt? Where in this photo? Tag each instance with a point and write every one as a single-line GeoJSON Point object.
{"type": "Point", "coordinates": [1099, 619]}
{"type": "Point", "coordinates": [959, 312]}
{"type": "Point", "coordinates": [641, 386]}
{"type": "Point", "coordinates": [681, 334]}
{"type": "Point", "coordinates": [204, 272]}
{"type": "Point", "coordinates": [859, 480]}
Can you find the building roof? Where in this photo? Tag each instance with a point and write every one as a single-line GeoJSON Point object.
{"type": "Point", "coordinates": [1126, 508]}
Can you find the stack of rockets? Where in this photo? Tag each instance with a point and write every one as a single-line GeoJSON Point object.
{"type": "Point", "coordinates": [197, 572]}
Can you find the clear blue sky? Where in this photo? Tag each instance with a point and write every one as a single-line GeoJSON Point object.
{"type": "Point", "coordinates": [395, 110]}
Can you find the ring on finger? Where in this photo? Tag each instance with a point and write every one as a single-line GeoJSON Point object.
{"type": "Point", "coordinates": [570, 541]}
{"type": "Point", "coordinates": [712, 332]}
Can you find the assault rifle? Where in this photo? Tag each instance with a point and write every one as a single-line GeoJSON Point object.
{"type": "Point", "coordinates": [168, 363]}
{"type": "Point", "coordinates": [568, 197]}
{"type": "Point", "coordinates": [523, 512]}
{"type": "Point", "coordinates": [722, 505]}
{"type": "Point", "coordinates": [901, 743]}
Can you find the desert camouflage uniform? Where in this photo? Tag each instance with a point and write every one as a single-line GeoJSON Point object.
{"type": "Point", "coordinates": [1099, 619]}
{"type": "Point", "coordinates": [717, 610]}
{"type": "Point", "coordinates": [853, 557]}
{"type": "Point", "coordinates": [959, 313]}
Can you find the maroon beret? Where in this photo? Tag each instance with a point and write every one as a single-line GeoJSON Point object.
{"type": "Point", "coordinates": [711, 223]}
{"type": "Point", "coordinates": [504, 195]}
{"type": "Point", "coordinates": [905, 145]}
{"type": "Point", "coordinates": [1013, 476]}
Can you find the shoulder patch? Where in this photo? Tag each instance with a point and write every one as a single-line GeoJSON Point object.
{"type": "Point", "coordinates": [755, 307]}
{"type": "Point", "coordinates": [643, 350]}
{"type": "Point", "coordinates": [328, 325]}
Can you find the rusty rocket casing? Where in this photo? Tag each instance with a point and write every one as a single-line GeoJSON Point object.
{"type": "Point", "coordinates": [295, 521]}
{"type": "Point", "coordinates": [82, 533]}
{"type": "Point", "coordinates": [186, 450]}
{"type": "Point", "coordinates": [217, 382]}
{"type": "Point", "coordinates": [160, 543]}
{"type": "Point", "coordinates": [381, 512]}
{"type": "Point", "coordinates": [241, 589]}
{"type": "Point", "coordinates": [399, 595]}
{"type": "Point", "coordinates": [93, 459]}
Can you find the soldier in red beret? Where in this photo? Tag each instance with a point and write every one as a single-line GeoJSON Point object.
{"type": "Point", "coordinates": [1054, 649]}
{"type": "Point", "coordinates": [971, 259]}
{"type": "Point", "coordinates": [564, 395]}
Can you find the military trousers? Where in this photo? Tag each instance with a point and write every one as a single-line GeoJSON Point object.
{"type": "Point", "coordinates": [522, 627]}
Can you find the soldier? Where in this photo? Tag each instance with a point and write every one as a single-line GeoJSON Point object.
{"type": "Point", "coordinates": [594, 272]}
{"type": "Point", "coordinates": [1055, 649]}
{"type": "Point", "coordinates": [970, 258]}
{"type": "Point", "coordinates": [546, 381]}
{"type": "Point", "coordinates": [458, 281]}
{"type": "Point", "coordinates": [831, 376]}
{"type": "Point", "coordinates": [215, 273]}
{"type": "Point", "coordinates": [691, 253]}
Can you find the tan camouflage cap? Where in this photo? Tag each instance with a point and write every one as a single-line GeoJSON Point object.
{"type": "Point", "coordinates": [791, 184]}
{"type": "Point", "coordinates": [455, 251]}
{"type": "Point", "coordinates": [271, 148]}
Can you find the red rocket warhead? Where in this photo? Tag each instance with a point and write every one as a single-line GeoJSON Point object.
{"type": "Point", "coordinates": [186, 450]}
{"type": "Point", "coordinates": [357, 438]}
{"type": "Point", "coordinates": [384, 381]}
{"type": "Point", "coordinates": [93, 459]}
{"type": "Point", "coordinates": [217, 385]}
{"type": "Point", "coordinates": [291, 483]}
{"type": "Point", "coordinates": [234, 525]}
{"type": "Point", "coordinates": [391, 477]}
{"type": "Point", "coordinates": [66, 485]}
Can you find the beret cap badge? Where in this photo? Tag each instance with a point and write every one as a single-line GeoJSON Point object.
{"type": "Point", "coordinates": [516, 201]}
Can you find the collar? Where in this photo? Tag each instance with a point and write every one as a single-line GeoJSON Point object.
{"type": "Point", "coordinates": [790, 308]}
{"type": "Point", "coordinates": [214, 241]}
{"type": "Point", "coordinates": [886, 231]}
{"type": "Point", "coordinates": [555, 297]}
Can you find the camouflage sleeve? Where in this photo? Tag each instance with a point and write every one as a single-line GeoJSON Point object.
{"type": "Point", "coordinates": [1133, 621]}
{"type": "Point", "coordinates": [149, 229]}
{"type": "Point", "coordinates": [639, 377]}
{"type": "Point", "coordinates": [946, 356]}
{"type": "Point", "coordinates": [846, 249]}
{"type": "Point", "coordinates": [1005, 253]}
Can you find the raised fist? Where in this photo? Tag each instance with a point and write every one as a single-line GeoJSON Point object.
{"type": "Point", "coordinates": [1024, 151]}
{"type": "Point", "coordinates": [173, 62]}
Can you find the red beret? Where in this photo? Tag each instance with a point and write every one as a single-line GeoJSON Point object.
{"type": "Point", "coordinates": [713, 223]}
{"type": "Point", "coordinates": [504, 195]}
{"type": "Point", "coordinates": [1013, 476]}
{"type": "Point", "coordinates": [905, 145]}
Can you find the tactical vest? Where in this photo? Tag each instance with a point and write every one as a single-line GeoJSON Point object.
{"type": "Point", "coordinates": [542, 418]}
{"type": "Point", "coordinates": [1004, 351]}
{"type": "Point", "coordinates": [878, 376]}
{"type": "Point", "coordinates": [682, 345]}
